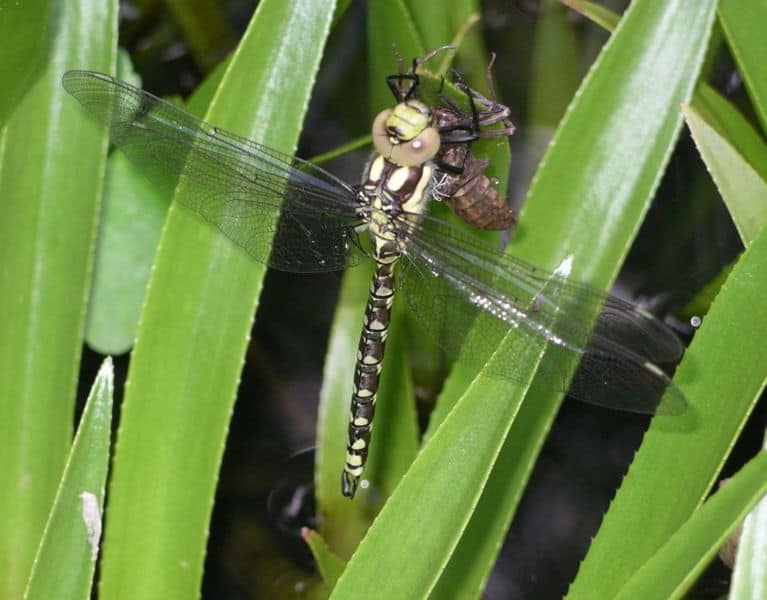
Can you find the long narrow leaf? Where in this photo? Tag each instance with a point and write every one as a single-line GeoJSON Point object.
{"type": "Point", "coordinates": [134, 212]}
{"type": "Point", "coordinates": [596, 12]}
{"type": "Point", "coordinates": [749, 578]}
{"type": "Point", "coordinates": [50, 184]}
{"type": "Point", "coordinates": [723, 116]}
{"type": "Point", "coordinates": [588, 198]}
{"type": "Point", "coordinates": [742, 186]}
{"type": "Point", "coordinates": [680, 458]}
{"type": "Point", "coordinates": [676, 566]}
{"type": "Point", "coordinates": [129, 231]}
{"type": "Point", "coordinates": [389, 22]}
{"type": "Point", "coordinates": [66, 559]}
{"type": "Point", "coordinates": [194, 330]}
{"type": "Point", "coordinates": [743, 23]}
{"type": "Point", "coordinates": [24, 31]}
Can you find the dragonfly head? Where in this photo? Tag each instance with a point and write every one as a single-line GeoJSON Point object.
{"type": "Point", "coordinates": [406, 134]}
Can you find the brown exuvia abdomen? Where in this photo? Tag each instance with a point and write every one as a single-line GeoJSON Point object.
{"type": "Point", "coordinates": [471, 194]}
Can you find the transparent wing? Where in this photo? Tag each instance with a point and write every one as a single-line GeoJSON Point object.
{"type": "Point", "coordinates": [468, 296]}
{"type": "Point", "coordinates": [281, 210]}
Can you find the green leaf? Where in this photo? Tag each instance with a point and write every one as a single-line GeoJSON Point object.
{"type": "Point", "coordinates": [66, 559]}
{"type": "Point", "coordinates": [205, 29]}
{"type": "Point", "coordinates": [194, 330]}
{"type": "Point", "coordinates": [24, 31]}
{"type": "Point", "coordinates": [355, 144]}
{"type": "Point", "coordinates": [743, 23]}
{"type": "Point", "coordinates": [554, 69]}
{"type": "Point", "coordinates": [588, 198]}
{"type": "Point", "coordinates": [133, 215]}
{"type": "Point", "coordinates": [721, 115]}
{"type": "Point", "coordinates": [742, 186]}
{"type": "Point", "coordinates": [750, 573]}
{"type": "Point", "coordinates": [389, 22]}
{"type": "Point", "coordinates": [432, 22]}
{"type": "Point", "coordinates": [416, 531]}
{"type": "Point", "coordinates": [129, 231]}
{"type": "Point", "coordinates": [51, 170]}
{"type": "Point", "coordinates": [340, 11]}
{"type": "Point", "coordinates": [701, 302]}
{"type": "Point", "coordinates": [674, 568]}
{"type": "Point", "coordinates": [723, 373]}
{"type": "Point", "coordinates": [329, 564]}
{"type": "Point", "coordinates": [602, 16]}
{"type": "Point", "coordinates": [344, 522]}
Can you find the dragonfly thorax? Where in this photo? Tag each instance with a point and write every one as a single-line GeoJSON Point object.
{"type": "Point", "coordinates": [389, 190]}
{"type": "Point", "coordinates": [406, 134]}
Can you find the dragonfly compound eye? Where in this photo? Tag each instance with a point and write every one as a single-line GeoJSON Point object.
{"type": "Point", "coordinates": [381, 139]}
{"type": "Point", "coordinates": [405, 134]}
{"type": "Point", "coordinates": [417, 151]}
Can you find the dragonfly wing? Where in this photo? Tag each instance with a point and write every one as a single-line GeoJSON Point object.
{"type": "Point", "coordinates": [282, 211]}
{"type": "Point", "coordinates": [469, 295]}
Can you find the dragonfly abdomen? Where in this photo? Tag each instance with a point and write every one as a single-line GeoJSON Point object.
{"type": "Point", "coordinates": [370, 352]}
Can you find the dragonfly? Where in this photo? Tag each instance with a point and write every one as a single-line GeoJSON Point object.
{"type": "Point", "coordinates": [469, 295]}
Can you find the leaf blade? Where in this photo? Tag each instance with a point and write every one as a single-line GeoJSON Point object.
{"type": "Point", "coordinates": [46, 252]}
{"type": "Point", "coordinates": [672, 570]}
{"type": "Point", "coordinates": [742, 22]}
{"type": "Point", "coordinates": [740, 182]}
{"type": "Point", "coordinates": [186, 363]}
{"type": "Point", "coordinates": [679, 459]}
{"type": "Point", "coordinates": [66, 559]}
